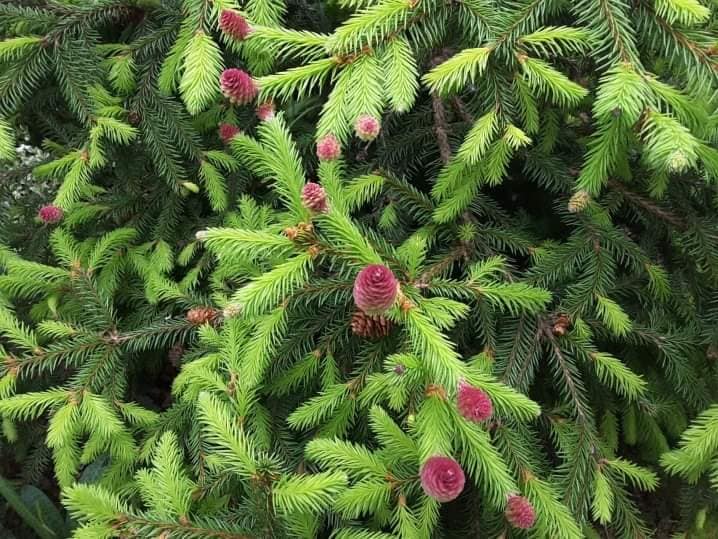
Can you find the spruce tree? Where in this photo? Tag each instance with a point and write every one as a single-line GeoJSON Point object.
{"type": "Point", "coordinates": [366, 269]}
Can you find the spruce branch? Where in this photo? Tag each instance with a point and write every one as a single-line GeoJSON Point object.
{"type": "Point", "coordinates": [648, 205]}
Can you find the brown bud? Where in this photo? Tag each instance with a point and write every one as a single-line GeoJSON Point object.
{"type": "Point", "coordinates": [112, 337]}
{"type": "Point", "coordinates": [527, 475]}
{"type": "Point", "coordinates": [435, 390]}
{"type": "Point", "coordinates": [232, 384]}
{"type": "Point", "coordinates": [134, 117]}
{"type": "Point", "coordinates": [305, 229]}
{"type": "Point", "coordinates": [202, 315]}
{"type": "Point", "coordinates": [561, 325]}
{"type": "Point", "coordinates": [406, 305]}
{"type": "Point", "coordinates": [370, 326]}
{"type": "Point", "coordinates": [75, 269]}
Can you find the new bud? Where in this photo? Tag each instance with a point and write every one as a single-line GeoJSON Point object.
{"type": "Point", "coordinates": [234, 25]}
{"type": "Point", "coordinates": [473, 404]}
{"type": "Point", "coordinates": [579, 201]}
{"type": "Point", "coordinates": [442, 478]}
{"type": "Point", "coordinates": [231, 310]}
{"type": "Point", "coordinates": [50, 214]}
{"type": "Point", "coordinates": [328, 148]}
{"type": "Point", "coordinates": [227, 132]}
{"type": "Point", "coordinates": [375, 289]}
{"type": "Point", "coordinates": [367, 127]}
{"type": "Point", "coordinates": [519, 512]}
{"type": "Point", "coordinates": [314, 198]}
{"type": "Point", "coordinates": [238, 86]}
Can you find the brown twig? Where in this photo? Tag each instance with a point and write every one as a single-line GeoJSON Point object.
{"type": "Point", "coordinates": [437, 268]}
{"type": "Point", "coordinates": [441, 125]}
{"type": "Point", "coordinates": [461, 109]}
{"type": "Point", "coordinates": [648, 205]}
{"type": "Point", "coordinates": [441, 128]}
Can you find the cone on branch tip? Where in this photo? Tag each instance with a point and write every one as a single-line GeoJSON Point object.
{"type": "Point", "coordinates": [50, 214]}
{"type": "Point", "coordinates": [678, 162]}
{"type": "Point", "coordinates": [370, 326]}
{"type": "Point", "coordinates": [367, 127]}
{"type": "Point", "coordinates": [314, 198]}
{"type": "Point", "coordinates": [231, 310]}
{"type": "Point", "coordinates": [375, 289]}
{"type": "Point", "coordinates": [328, 148]}
{"type": "Point", "coordinates": [473, 404]}
{"type": "Point", "coordinates": [442, 478]}
{"type": "Point", "coordinates": [519, 512]}
{"type": "Point", "coordinates": [579, 201]}
{"type": "Point", "coordinates": [198, 316]}
{"type": "Point", "coordinates": [238, 86]}
{"type": "Point", "coordinates": [228, 131]}
{"type": "Point", "coordinates": [562, 325]}
{"type": "Point", "coordinates": [234, 24]}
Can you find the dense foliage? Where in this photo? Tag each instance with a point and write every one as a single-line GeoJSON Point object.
{"type": "Point", "coordinates": [363, 268]}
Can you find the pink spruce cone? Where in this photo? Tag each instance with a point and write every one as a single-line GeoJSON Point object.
{"type": "Point", "coordinates": [227, 132]}
{"type": "Point", "coordinates": [50, 214]}
{"type": "Point", "coordinates": [265, 111]}
{"type": "Point", "coordinates": [314, 198]}
{"type": "Point", "coordinates": [234, 25]}
{"type": "Point", "coordinates": [328, 148]}
{"type": "Point", "coordinates": [519, 512]}
{"type": "Point", "coordinates": [367, 127]}
{"type": "Point", "coordinates": [442, 478]}
{"type": "Point", "coordinates": [238, 86]}
{"type": "Point", "coordinates": [375, 289]}
{"type": "Point", "coordinates": [473, 404]}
